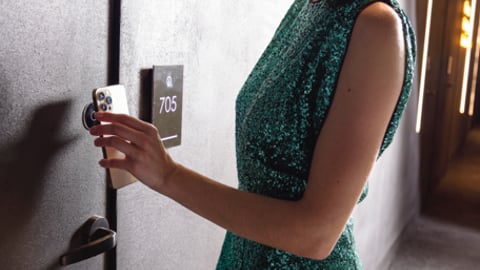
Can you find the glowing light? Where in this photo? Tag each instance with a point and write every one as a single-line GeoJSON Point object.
{"type": "Point", "coordinates": [467, 9]}
{"type": "Point", "coordinates": [467, 25]}
{"type": "Point", "coordinates": [468, 56]}
{"type": "Point", "coordinates": [465, 41]}
{"type": "Point", "coordinates": [471, 108]}
{"type": "Point", "coordinates": [423, 71]}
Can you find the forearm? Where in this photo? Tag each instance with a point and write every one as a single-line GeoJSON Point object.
{"type": "Point", "coordinates": [308, 227]}
{"type": "Point", "coordinates": [278, 223]}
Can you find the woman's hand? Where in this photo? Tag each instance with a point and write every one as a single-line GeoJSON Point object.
{"type": "Point", "coordinates": [145, 155]}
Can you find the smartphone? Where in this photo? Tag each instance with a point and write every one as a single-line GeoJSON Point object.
{"type": "Point", "coordinates": [113, 99]}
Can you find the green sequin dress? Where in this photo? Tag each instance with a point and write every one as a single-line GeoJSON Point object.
{"type": "Point", "coordinates": [280, 112]}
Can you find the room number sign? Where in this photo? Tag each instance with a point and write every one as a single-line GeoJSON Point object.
{"type": "Point", "coordinates": [167, 96]}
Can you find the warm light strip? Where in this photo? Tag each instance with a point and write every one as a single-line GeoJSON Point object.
{"type": "Point", "coordinates": [471, 107]}
{"type": "Point", "coordinates": [423, 71]}
{"type": "Point", "coordinates": [468, 57]}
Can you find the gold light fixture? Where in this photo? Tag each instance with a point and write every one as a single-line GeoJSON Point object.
{"type": "Point", "coordinates": [473, 89]}
{"type": "Point", "coordinates": [468, 21]}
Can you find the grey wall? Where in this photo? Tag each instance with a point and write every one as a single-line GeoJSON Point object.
{"type": "Point", "coordinates": [52, 54]}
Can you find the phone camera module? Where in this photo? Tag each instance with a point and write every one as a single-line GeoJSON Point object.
{"type": "Point", "coordinates": [88, 116]}
{"type": "Point", "coordinates": [109, 100]}
{"type": "Point", "coordinates": [104, 107]}
{"type": "Point", "coordinates": [101, 96]}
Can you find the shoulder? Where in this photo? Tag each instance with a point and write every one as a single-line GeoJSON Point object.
{"type": "Point", "coordinates": [377, 36]}
{"type": "Point", "coordinates": [379, 19]}
{"type": "Point", "coordinates": [376, 51]}
{"type": "Point", "coordinates": [379, 13]}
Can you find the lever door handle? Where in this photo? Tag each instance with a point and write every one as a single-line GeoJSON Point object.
{"type": "Point", "coordinates": [99, 238]}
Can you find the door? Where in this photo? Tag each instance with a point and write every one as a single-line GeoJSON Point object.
{"type": "Point", "coordinates": [52, 54]}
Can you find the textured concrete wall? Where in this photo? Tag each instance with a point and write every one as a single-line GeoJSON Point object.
{"type": "Point", "coordinates": [52, 54]}
{"type": "Point", "coordinates": [394, 188]}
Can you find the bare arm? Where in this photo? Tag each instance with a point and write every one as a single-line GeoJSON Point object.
{"type": "Point", "coordinates": [366, 94]}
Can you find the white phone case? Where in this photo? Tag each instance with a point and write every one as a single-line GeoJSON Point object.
{"type": "Point", "coordinates": [113, 99]}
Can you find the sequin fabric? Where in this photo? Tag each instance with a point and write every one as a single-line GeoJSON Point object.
{"type": "Point", "coordinates": [280, 111]}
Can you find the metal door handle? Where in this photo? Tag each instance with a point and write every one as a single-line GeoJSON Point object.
{"type": "Point", "coordinates": [99, 239]}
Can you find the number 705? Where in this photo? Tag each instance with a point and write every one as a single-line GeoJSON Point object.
{"type": "Point", "coordinates": [168, 104]}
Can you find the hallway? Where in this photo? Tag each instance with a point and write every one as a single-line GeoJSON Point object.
{"type": "Point", "coordinates": [447, 233]}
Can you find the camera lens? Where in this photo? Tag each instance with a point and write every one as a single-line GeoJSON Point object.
{"type": "Point", "coordinates": [109, 100]}
{"type": "Point", "coordinates": [101, 95]}
{"type": "Point", "coordinates": [104, 107]}
{"type": "Point", "coordinates": [88, 116]}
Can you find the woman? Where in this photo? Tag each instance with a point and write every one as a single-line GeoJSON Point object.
{"type": "Point", "coordinates": [319, 108]}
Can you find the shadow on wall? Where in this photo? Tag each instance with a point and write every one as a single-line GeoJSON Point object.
{"type": "Point", "coordinates": [146, 84]}
{"type": "Point", "coordinates": [23, 165]}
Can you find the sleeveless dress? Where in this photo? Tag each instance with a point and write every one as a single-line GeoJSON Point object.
{"type": "Point", "coordinates": [280, 112]}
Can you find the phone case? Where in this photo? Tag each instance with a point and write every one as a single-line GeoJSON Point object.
{"type": "Point", "coordinates": [113, 99]}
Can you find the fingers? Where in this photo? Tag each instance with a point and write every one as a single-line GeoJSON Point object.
{"type": "Point", "coordinates": [122, 164]}
{"type": "Point", "coordinates": [123, 119]}
{"type": "Point", "coordinates": [117, 130]}
{"type": "Point", "coordinates": [117, 143]}
{"type": "Point", "coordinates": [145, 155]}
